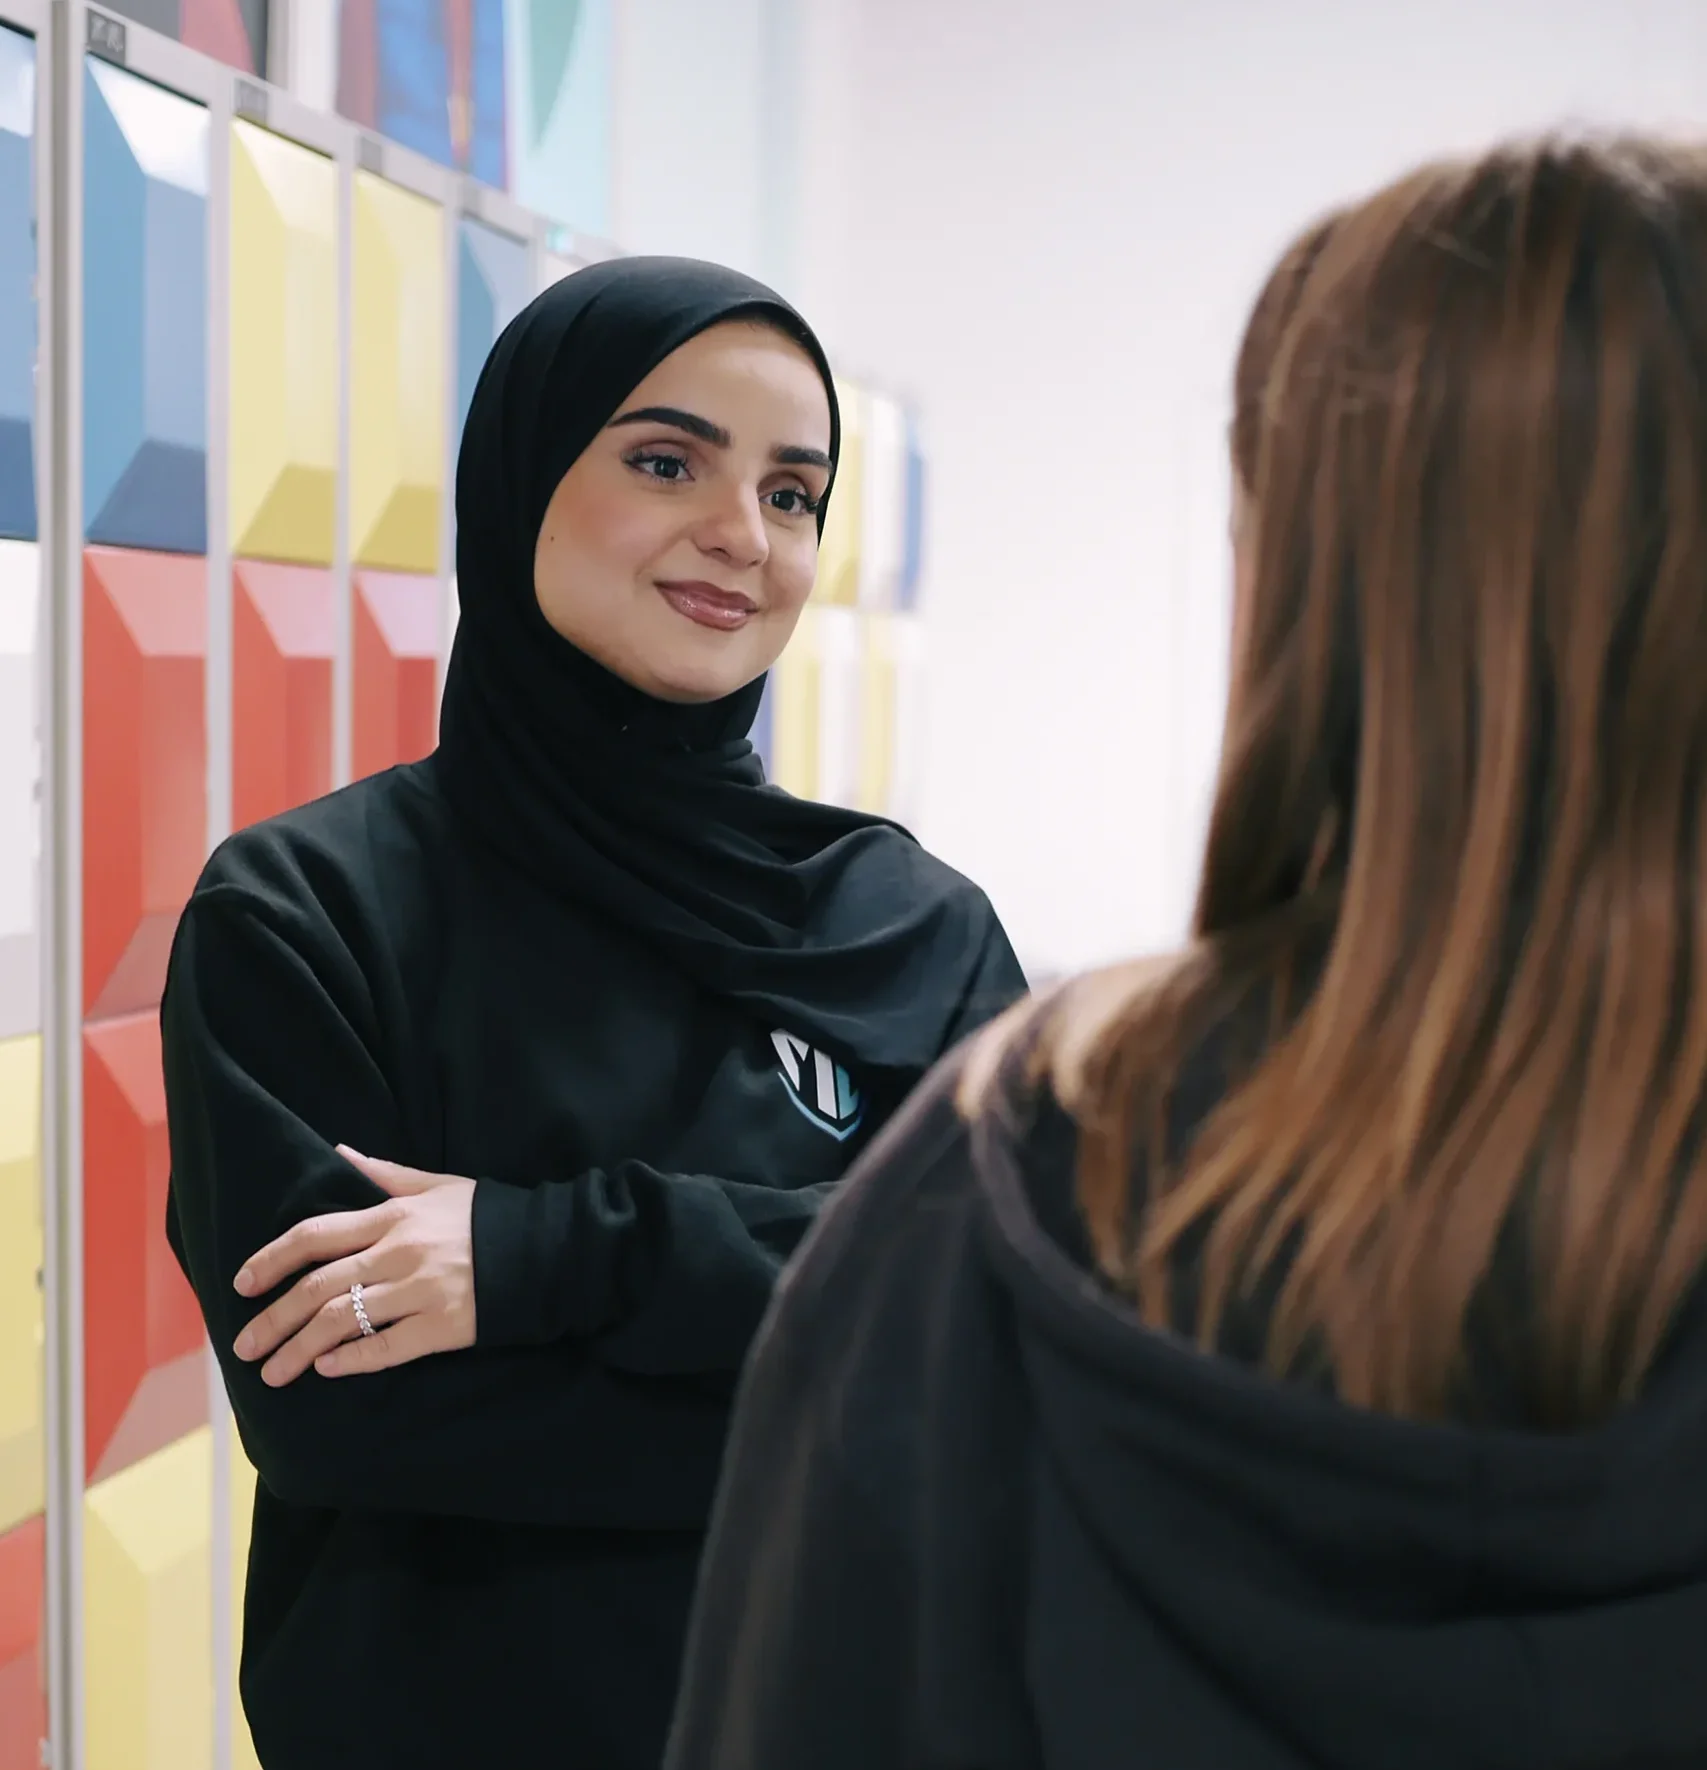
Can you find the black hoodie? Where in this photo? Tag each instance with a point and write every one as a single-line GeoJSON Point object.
{"type": "Point", "coordinates": [975, 1516]}
{"type": "Point", "coordinates": [587, 956]}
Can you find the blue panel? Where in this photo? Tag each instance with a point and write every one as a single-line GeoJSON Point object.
{"type": "Point", "coordinates": [413, 77]}
{"type": "Point", "coordinates": [488, 159]}
{"type": "Point", "coordinates": [494, 284]}
{"type": "Point", "coordinates": [17, 287]}
{"type": "Point", "coordinates": [476, 325]}
{"type": "Point", "coordinates": [764, 725]}
{"type": "Point", "coordinates": [562, 79]}
{"type": "Point", "coordinates": [144, 315]}
{"type": "Point", "coordinates": [913, 543]}
{"type": "Point", "coordinates": [174, 335]}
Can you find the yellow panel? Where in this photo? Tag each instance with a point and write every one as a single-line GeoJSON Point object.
{"type": "Point", "coordinates": [839, 550]}
{"type": "Point", "coordinates": [148, 1612]}
{"type": "Point", "coordinates": [794, 727]}
{"type": "Point", "coordinates": [397, 391]}
{"type": "Point", "coordinates": [242, 1514]}
{"type": "Point", "coordinates": [22, 1452]}
{"type": "Point", "coordinates": [284, 348]}
{"type": "Point", "coordinates": [877, 724]}
{"type": "Point", "coordinates": [883, 492]}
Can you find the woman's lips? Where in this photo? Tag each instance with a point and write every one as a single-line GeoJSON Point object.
{"type": "Point", "coordinates": [707, 606]}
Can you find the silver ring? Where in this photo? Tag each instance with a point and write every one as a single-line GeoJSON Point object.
{"type": "Point", "coordinates": [360, 1308]}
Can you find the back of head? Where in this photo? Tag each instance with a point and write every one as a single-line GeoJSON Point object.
{"type": "Point", "coordinates": [1455, 858]}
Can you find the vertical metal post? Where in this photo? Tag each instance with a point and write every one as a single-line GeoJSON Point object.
{"type": "Point", "coordinates": [343, 602]}
{"type": "Point", "coordinates": [61, 305]}
{"type": "Point", "coordinates": [452, 213]}
{"type": "Point", "coordinates": [219, 716]}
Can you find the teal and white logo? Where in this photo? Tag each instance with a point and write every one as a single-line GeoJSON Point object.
{"type": "Point", "coordinates": [819, 1087]}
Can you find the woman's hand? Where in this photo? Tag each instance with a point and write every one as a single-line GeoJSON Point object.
{"type": "Point", "coordinates": [413, 1256]}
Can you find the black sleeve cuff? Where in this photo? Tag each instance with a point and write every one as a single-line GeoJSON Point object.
{"type": "Point", "coordinates": [507, 1274]}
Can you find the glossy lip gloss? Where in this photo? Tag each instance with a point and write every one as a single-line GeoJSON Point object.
{"type": "Point", "coordinates": [706, 606]}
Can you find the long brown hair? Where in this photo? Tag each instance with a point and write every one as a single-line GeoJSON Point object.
{"type": "Point", "coordinates": [1253, 369]}
{"type": "Point", "coordinates": [1459, 840]}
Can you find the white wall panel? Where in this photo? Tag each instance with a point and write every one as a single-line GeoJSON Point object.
{"type": "Point", "coordinates": [1046, 219]}
{"type": "Point", "coordinates": [20, 774]}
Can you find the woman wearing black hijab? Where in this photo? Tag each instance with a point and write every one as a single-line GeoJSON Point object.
{"type": "Point", "coordinates": [508, 1080]}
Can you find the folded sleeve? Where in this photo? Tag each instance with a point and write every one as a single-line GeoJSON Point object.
{"type": "Point", "coordinates": [671, 1273]}
{"type": "Point", "coordinates": [273, 1056]}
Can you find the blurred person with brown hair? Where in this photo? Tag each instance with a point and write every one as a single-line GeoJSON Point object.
{"type": "Point", "coordinates": [1292, 1352]}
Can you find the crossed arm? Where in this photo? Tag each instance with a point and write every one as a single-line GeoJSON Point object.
{"type": "Point", "coordinates": [547, 1311]}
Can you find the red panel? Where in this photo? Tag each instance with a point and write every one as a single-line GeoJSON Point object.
{"type": "Point", "coordinates": [23, 1706]}
{"type": "Point", "coordinates": [459, 54]}
{"type": "Point", "coordinates": [358, 62]}
{"type": "Point", "coordinates": [396, 671]}
{"type": "Point", "coordinates": [283, 637]}
{"type": "Point", "coordinates": [144, 766]}
{"type": "Point", "coordinates": [144, 1380]}
{"type": "Point", "coordinates": [215, 27]}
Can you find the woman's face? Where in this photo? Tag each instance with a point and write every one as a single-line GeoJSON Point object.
{"type": "Point", "coordinates": [680, 548]}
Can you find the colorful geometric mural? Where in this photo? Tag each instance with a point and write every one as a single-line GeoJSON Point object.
{"type": "Point", "coordinates": [23, 1705]}
{"type": "Point", "coordinates": [517, 93]}
{"type": "Point", "coordinates": [284, 348]}
{"type": "Point", "coordinates": [23, 1448]}
{"type": "Point", "coordinates": [562, 82]}
{"type": "Point", "coordinates": [20, 786]}
{"type": "Point", "coordinates": [144, 314]}
{"type": "Point", "coordinates": [147, 1507]}
{"type": "Point", "coordinates": [231, 31]}
{"type": "Point", "coordinates": [23, 1456]}
{"type": "Point", "coordinates": [148, 1612]}
{"type": "Point", "coordinates": [17, 285]}
{"type": "Point", "coordinates": [493, 285]}
{"type": "Point", "coordinates": [429, 74]}
{"type": "Point", "coordinates": [283, 643]}
{"type": "Point", "coordinates": [397, 406]}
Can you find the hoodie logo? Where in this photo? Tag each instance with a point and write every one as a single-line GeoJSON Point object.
{"type": "Point", "coordinates": [820, 1088]}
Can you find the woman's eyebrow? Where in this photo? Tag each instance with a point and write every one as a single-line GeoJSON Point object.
{"type": "Point", "coordinates": [789, 456]}
{"type": "Point", "coordinates": [703, 428]}
{"type": "Point", "coordinates": [785, 454]}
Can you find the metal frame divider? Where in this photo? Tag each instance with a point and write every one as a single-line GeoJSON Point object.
{"type": "Point", "coordinates": [36, 18]}
{"type": "Point", "coordinates": [343, 588]}
{"type": "Point", "coordinates": [62, 870]}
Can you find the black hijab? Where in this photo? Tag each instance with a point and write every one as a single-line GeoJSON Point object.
{"type": "Point", "coordinates": [834, 925]}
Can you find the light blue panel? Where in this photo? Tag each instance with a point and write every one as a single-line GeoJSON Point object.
{"type": "Point", "coordinates": [144, 314]}
{"type": "Point", "coordinates": [764, 725]}
{"type": "Point", "coordinates": [494, 284]}
{"type": "Point", "coordinates": [488, 147]}
{"type": "Point", "coordinates": [476, 325]}
{"type": "Point", "coordinates": [913, 545]}
{"type": "Point", "coordinates": [562, 76]}
{"type": "Point", "coordinates": [17, 286]}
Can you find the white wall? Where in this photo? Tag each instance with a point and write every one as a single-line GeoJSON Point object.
{"type": "Point", "coordinates": [1046, 218]}
{"type": "Point", "coordinates": [715, 132]}
{"type": "Point", "coordinates": [689, 129]}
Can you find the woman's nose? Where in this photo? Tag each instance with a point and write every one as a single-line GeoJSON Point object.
{"type": "Point", "coordinates": [735, 528]}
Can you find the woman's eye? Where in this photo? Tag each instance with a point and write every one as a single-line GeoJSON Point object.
{"type": "Point", "coordinates": [793, 501]}
{"type": "Point", "coordinates": [671, 469]}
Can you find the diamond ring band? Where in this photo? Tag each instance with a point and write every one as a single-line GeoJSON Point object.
{"type": "Point", "coordinates": [360, 1308]}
